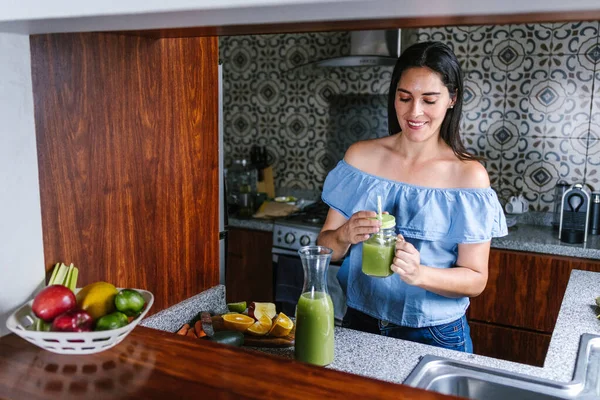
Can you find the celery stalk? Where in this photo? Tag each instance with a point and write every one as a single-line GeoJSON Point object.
{"type": "Point", "coordinates": [40, 326]}
{"type": "Point", "coordinates": [61, 275]}
{"type": "Point", "coordinates": [68, 275]}
{"type": "Point", "coordinates": [72, 281]}
{"type": "Point", "coordinates": [53, 276]}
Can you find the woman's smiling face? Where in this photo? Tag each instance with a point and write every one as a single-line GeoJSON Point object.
{"type": "Point", "coordinates": [422, 101]}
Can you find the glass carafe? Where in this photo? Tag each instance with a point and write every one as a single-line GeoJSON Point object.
{"type": "Point", "coordinates": [314, 312]}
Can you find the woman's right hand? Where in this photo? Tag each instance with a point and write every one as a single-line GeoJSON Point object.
{"type": "Point", "coordinates": [359, 227]}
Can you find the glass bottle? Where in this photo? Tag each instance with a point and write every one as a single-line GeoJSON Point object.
{"type": "Point", "coordinates": [314, 341]}
{"type": "Point", "coordinates": [559, 190]}
{"type": "Point", "coordinates": [242, 181]}
{"type": "Point", "coordinates": [378, 250]}
{"type": "Point", "coordinates": [594, 223]}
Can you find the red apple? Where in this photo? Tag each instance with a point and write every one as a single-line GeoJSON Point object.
{"type": "Point", "coordinates": [76, 320]}
{"type": "Point", "coordinates": [53, 301]}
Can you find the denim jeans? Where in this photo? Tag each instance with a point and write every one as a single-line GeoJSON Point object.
{"type": "Point", "coordinates": [455, 335]}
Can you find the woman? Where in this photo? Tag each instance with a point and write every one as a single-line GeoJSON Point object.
{"type": "Point", "coordinates": [445, 210]}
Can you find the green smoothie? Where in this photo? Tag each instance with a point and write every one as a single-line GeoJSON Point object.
{"type": "Point", "coordinates": [377, 258]}
{"type": "Point", "coordinates": [314, 329]}
{"type": "Point", "coordinates": [378, 250]}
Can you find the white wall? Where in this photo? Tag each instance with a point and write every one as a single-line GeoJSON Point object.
{"type": "Point", "coordinates": [21, 246]}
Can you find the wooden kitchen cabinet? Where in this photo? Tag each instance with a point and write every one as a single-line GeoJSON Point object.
{"type": "Point", "coordinates": [514, 317]}
{"type": "Point", "coordinates": [249, 268]}
{"type": "Point", "coordinates": [507, 343]}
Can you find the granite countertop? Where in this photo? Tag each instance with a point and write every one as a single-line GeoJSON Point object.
{"type": "Point", "coordinates": [577, 316]}
{"type": "Point", "coordinates": [392, 360]}
{"type": "Point", "coordinates": [252, 223]}
{"type": "Point", "coordinates": [542, 239]}
{"type": "Point", "coordinates": [522, 237]}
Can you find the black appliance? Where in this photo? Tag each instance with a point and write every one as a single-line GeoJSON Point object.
{"type": "Point", "coordinates": [574, 214]}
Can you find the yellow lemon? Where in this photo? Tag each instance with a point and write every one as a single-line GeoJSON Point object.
{"type": "Point", "coordinates": [282, 325]}
{"type": "Point", "coordinates": [237, 322]}
{"type": "Point", "coordinates": [97, 298]}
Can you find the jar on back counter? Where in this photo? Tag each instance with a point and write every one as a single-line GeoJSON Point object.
{"type": "Point", "coordinates": [378, 250]}
{"type": "Point", "coordinates": [242, 179]}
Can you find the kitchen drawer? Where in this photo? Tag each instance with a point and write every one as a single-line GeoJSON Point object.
{"type": "Point", "coordinates": [510, 344]}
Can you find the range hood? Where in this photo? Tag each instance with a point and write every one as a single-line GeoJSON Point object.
{"type": "Point", "coordinates": [370, 49]}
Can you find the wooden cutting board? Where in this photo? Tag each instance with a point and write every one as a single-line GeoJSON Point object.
{"type": "Point", "coordinates": [267, 186]}
{"type": "Point", "coordinates": [259, 341]}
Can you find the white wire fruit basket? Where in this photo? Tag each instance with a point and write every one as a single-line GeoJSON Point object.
{"type": "Point", "coordinates": [72, 342]}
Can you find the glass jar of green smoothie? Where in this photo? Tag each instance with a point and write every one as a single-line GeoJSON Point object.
{"type": "Point", "coordinates": [378, 250]}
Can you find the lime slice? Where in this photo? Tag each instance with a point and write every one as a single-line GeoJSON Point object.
{"type": "Point", "coordinates": [239, 307]}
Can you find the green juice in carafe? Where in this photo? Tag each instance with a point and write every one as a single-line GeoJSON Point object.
{"type": "Point", "coordinates": [314, 329]}
{"type": "Point", "coordinates": [377, 259]}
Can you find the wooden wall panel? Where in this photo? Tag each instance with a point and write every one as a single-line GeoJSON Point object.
{"type": "Point", "coordinates": [127, 142]}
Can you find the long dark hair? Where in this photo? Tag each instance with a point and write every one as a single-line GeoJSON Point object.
{"type": "Point", "coordinates": [439, 58]}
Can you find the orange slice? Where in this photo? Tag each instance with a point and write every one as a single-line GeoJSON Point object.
{"type": "Point", "coordinates": [238, 322]}
{"type": "Point", "coordinates": [282, 325]}
{"type": "Point", "coordinates": [260, 327]}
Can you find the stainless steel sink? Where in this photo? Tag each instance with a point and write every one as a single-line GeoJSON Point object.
{"type": "Point", "coordinates": [472, 381]}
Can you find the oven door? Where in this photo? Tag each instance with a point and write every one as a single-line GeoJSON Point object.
{"type": "Point", "coordinates": [289, 279]}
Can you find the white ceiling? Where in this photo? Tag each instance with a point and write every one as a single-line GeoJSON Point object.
{"type": "Point", "coordinates": [43, 16]}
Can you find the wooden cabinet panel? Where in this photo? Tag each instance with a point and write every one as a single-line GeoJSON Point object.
{"type": "Point", "coordinates": [127, 143]}
{"type": "Point", "coordinates": [525, 289]}
{"type": "Point", "coordinates": [509, 343]}
{"type": "Point", "coordinates": [249, 271]}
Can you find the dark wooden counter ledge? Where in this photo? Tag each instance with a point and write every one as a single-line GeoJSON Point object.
{"type": "Point", "coordinates": [156, 364]}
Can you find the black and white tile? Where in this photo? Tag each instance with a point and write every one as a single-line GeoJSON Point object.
{"type": "Point", "coordinates": [531, 103]}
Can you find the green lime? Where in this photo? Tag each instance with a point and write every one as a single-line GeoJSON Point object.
{"type": "Point", "coordinates": [111, 321]}
{"type": "Point", "coordinates": [130, 302]}
{"type": "Point", "coordinates": [237, 307]}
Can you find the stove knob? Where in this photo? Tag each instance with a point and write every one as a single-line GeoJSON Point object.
{"type": "Point", "coordinates": [289, 238]}
{"type": "Point", "coordinates": [304, 240]}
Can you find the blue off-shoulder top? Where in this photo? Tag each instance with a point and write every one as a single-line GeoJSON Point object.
{"type": "Point", "coordinates": [433, 220]}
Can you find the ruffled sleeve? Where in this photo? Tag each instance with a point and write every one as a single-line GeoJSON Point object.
{"type": "Point", "coordinates": [344, 188]}
{"type": "Point", "coordinates": [432, 214]}
{"type": "Point", "coordinates": [456, 215]}
{"type": "Point", "coordinates": [483, 220]}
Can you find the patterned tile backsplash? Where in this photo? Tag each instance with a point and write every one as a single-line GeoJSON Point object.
{"type": "Point", "coordinates": [532, 103]}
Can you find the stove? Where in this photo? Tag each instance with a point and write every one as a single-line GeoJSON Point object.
{"type": "Point", "coordinates": [311, 215]}
{"type": "Point", "coordinates": [301, 228]}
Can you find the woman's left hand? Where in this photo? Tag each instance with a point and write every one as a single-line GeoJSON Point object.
{"type": "Point", "coordinates": [407, 262]}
